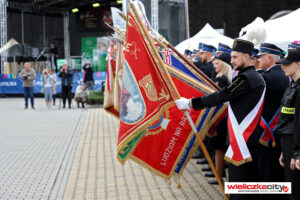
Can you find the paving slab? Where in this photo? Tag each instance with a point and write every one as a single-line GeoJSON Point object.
{"type": "Point", "coordinates": [70, 154]}
{"type": "Point", "coordinates": [96, 173]}
{"type": "Point", "coordinates": [35, 148]}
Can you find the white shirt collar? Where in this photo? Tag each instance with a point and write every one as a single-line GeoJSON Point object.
{"type": "Point", "coordinates": [270, 68]}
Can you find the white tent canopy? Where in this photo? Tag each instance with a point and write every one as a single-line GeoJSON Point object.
{"type": "Point", "coordinates": [284, 29]}
{"type": "Point", "coordinates": [206, 35]}
{"type": "Point", "coordinates": [12, 42]}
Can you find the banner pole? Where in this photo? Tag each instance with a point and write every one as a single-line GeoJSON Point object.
{"type": "Point", "coordinates": [199, 139]}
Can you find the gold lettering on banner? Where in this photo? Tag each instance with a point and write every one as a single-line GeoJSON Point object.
{"type": "Point", "coordinates": [132, 49]}
{"type": "Point", "coordinates": [148, 85]}
{"type": "Point", "coordinates": [128, 45]}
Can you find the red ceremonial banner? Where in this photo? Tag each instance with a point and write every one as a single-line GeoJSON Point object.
{"type": "Point", "coordinates": [167, 138]}
{"type": "Point", "coordinates": [145, 93]}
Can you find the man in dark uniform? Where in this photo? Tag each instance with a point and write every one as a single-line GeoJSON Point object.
{"type": "Point", "coordinates": [276, 84]}
{"type": "Point", "coordinates": [187, 53]}
{"type": "Point", "coordinates": [245, 96]}
{"type": "Point", "coordinates": [206, 55]}
{"type": "Point", "coordinates": [198, 61]}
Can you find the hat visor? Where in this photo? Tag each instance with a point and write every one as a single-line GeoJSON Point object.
{"type": "Point", "coordinates": [284, 62]}
{"type": "Point", "coordinates": [201, 50]}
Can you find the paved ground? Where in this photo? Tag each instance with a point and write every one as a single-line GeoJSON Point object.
{"type": "Point", "coordinates": [70, 154]}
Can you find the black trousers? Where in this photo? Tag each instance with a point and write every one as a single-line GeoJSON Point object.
{"type": "Point", "coordinates": [290, 176]}
{"type": "Point", "coordinates": [264, 168]}
{"type": "Point", "coordinates": [66, 94]}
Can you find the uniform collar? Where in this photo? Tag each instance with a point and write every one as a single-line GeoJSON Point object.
{"type": "Point", "coordinates": [251, 67]}
{"type": "Point", "coordinates": [270, 68]}
{"type": "Point", "coordinates": [295, 84]}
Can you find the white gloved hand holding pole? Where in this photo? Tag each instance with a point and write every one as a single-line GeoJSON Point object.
{"type": "Point", "coordinates": [183, 103]}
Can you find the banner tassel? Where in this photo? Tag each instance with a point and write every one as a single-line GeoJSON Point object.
{"type": "Point", "coordinates": [169, 182]}
{"type": "Point", "coordinates": [178, 183]}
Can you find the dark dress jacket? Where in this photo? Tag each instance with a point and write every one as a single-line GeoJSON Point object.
{"type": "Point", "coordinates": [276, 84]}
{"type": "Point", "coordinates": [243, 95]}
{"type": "Point", "coordinates": [209, 70]}
{"type": "Point", "coordinates": [289, 116]}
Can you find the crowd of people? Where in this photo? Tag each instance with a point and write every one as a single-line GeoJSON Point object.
{"type": "Point", "coordinates": [260, 138]}
{"type": "Point", "coordinates": [49, 85]}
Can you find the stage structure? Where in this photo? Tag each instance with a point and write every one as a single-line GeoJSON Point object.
{"type": "Point", "coordinates": [22, 11]}
{"type": "Point", "coordinates": [168, 17]}
{"type": "Point", "coordinates": [3, 29]}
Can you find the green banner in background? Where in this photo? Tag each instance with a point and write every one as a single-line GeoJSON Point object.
{"type": "Point", "coordinates": [76, 63]}
{"type": "Point", "coordinates": [90, 50]}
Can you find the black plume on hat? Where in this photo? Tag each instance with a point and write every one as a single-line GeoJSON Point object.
{"type": "Point", "coordinates": [243, 46]}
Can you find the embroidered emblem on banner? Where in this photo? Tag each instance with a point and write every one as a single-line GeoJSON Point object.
{"type": "Point", "coordinates": [132, 49]}
{"type": "Point", "coordinates": [149, 87]}
{"type": "Point", "coordinates": [160, 124]}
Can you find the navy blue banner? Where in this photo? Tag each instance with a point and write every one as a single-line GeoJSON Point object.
{"type": "Point", "coordinates": [12, 84]}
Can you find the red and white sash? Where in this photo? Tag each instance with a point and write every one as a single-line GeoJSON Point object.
{"type": "Point", "coordinates": [238, 152]}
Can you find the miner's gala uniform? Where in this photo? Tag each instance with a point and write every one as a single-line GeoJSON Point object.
{"type": "Point", "coordinates": [245, 96]}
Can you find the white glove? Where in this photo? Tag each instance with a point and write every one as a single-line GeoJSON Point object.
{"type": "Point", "coordinates": [182, 103]}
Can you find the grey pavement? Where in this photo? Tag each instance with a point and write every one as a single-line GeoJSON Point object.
{"type": "Point", "coordinates": [35, 146]}
{"type": "Point", "coordinates": [70, 154]}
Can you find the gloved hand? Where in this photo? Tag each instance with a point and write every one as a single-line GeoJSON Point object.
{"type": "Point", "coordinates": [182, 103]}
